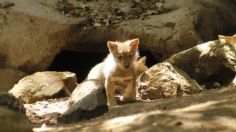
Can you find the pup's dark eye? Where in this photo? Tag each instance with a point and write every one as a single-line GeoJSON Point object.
{"type": "Point", "coordinates": [119, 57]}
{"type": "Point", "coordinates": [130, 56]}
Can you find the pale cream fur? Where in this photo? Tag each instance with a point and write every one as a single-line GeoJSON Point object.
{"type": "Point", "coordinates": [113, 74]}
{"type": "Point", "coordinates": [229, 39]}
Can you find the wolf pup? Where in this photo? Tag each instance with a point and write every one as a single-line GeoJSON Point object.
{"type": "Point", "coordinates": [118, 68]}
{"type": "Point", "coordinates": [230, 39]}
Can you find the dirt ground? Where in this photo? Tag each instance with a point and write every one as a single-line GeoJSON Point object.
{"type": "Point", "coordinates": [213, 110]}
{"type": "Point", "coordinates": [108, 13]}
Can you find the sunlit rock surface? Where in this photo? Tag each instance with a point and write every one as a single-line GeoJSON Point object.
{"type": "Point", "coordinates": [42, 85]}
{"type": "Point", "coordinates": [210, 62]}
{"type": "Point", "coordinates": [165, 80]}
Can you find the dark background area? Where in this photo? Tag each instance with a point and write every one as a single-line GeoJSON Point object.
{"type": "Point", "coordinates": [81, 63]}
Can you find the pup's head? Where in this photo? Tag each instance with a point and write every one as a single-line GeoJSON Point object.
{"type": "Point", "coordinates": [124, 53]}
{"type": "Point", "coordinates": [228, 39]}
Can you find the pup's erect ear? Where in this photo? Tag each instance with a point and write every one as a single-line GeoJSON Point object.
{"type": "Point", "coordinates": [222, 38]}
{"type": "Point", "coordinates": [229, 39]}
{"type": "Point", "coordinates": [142, 60]}
{"type": "Point", "coordinates": [134, 43]}
{"type": "Point", "coordinates": [111, 45]}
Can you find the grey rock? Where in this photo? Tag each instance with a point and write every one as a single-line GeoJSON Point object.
{"type": "Point", "coordinates": [87, 100]}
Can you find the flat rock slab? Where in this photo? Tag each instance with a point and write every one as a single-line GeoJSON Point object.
{"type": "Point", "coordinates": [165, 80]}
{"type": "Point", "coordinates": [43, 85]}
{"type": "Point", "coordinates": [33, 32]}
{"type": "Point", "coordinates": [214, 110]}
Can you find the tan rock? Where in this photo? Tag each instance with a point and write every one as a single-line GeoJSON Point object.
{"type": "Point", "coordinates": [213, 61]}
{"type": "Point", "coordinates": [33, 33]}
{"type": "Point", "coordinates": [165, 80]}
{"type": "Point", "coordinates": [42, 85]}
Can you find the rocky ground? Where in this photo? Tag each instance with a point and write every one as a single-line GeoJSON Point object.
{"type": "Point", "coordinates": [52, 26]}
{"type": "Point", "coordinates": [213, 110]}
{"type": "Point", "coordinates": [199, 79]}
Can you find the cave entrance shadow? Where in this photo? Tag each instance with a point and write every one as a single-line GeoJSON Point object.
{"type": "Point", "coordinates": [77, 62]}
{"type": "Point", "coordinates": [81, 62]}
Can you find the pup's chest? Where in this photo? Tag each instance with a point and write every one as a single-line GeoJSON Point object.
{"type": "Point", "coordinates": [121, 80]}
{"type": "Point", "coordinates": [121, 77]}
{"type": "Point", "coordinates": [121, 83]}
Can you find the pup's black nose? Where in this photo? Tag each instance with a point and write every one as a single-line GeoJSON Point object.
{"type": "Point", "coordinates": [127, 66]}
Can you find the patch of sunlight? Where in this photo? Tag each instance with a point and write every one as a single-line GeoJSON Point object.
{"type": "Point", "coordinates": [199, 107]}
{"type": "Point", "coordinates": [224, 121]}
{"type": "Point", "coordinates": [186, 115]}
{"type": "Point", "coordinates": [204, 48]}
{"type": "Point", "coordinates": [124, 122]}
{"type": "Point", "coordinates": [43, 128]}
{"type": "Point", "coordinates": [193, 124]}
{"type": "Point", "coordinates": [227, 123]}
{"type": "Point", "coordinates": [231, 106]}
{"type": "Point", "coordinates": [45, 107]}
{"type": "Point", "coordinates": [58, 128]}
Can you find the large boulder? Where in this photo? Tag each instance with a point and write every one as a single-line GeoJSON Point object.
{"type": "Point", "coordinates": [9, 77]}
{"type": "Point", "coordinates": [33, 32]}
{"type": "Point", "coordinates": [213, 61]}
{"type": "Point", "coordinates": [43, 85]}
{"type": "Point", "coordinates": [177, 26]}
{"type": "Point", "coordinates": [165, 80]}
